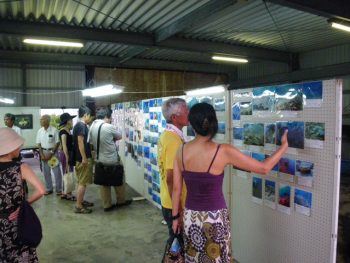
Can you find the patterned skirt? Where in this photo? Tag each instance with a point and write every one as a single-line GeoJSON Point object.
{"type": "Point", "coordinates": [207, 236]}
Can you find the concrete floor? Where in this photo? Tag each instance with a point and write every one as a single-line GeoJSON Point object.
{"type": "Point", "coordinates": [132, 234]}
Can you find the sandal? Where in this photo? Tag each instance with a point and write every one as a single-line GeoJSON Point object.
{"type": "Point", "coordinates": [87, 204]}
{"type": "Point", "coordinates": [83, 210]}
{"type": "Point", "coordinates": [71, 198]}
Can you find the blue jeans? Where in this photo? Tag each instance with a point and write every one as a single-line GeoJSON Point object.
{"type": "Point", "coordinates": [167, 215]}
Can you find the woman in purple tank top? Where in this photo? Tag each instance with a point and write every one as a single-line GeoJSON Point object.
{"type": "Point", "coordinates": [201, 162]}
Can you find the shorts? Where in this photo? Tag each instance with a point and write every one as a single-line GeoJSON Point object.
{"type": "Point", "coordinates": [84, 173]}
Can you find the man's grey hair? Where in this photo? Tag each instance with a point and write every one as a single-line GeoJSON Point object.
{"type": "Point", "coordinates": [172, 106]}
{"type": "Point", "coordinates": [46, 116]}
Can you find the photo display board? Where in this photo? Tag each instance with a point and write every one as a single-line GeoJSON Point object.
{"type": "Point", "coordinates": [289, 215]}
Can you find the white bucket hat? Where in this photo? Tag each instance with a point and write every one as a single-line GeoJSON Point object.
{"type": "Point", "coordinates": [9, 141]}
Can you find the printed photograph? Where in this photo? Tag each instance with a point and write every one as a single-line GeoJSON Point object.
{"type": "Point", "coordinates": [270, 133]}
{"type": "Point", "coordinates": [221, 128]}
{"type": "Point", "coordinates": [258, 156]}
{"type": "Point", "coordinates": [155, 176]}
{"type": "Point", "coordinates": [304, 168]}
{"type": "Point", "coordinates": [246, 108]}
{"type": "Point", "coordinates": [303, 198]}
{"type": "Point", "coordinates": [257, 187]}
{"type": "Point", "coordinates": [289, 98]}
{"type": "Point", "coordinates": [286, 166]}
{"type": "Point", "coordinates": [281, 126]}
{"type": "Point", "coordinates": [152, 103]}
{"type": "Point", "coordinates": [155, 187]}
{"type": "Point", "coordinates": [296, 134]}
{"type": "Point", "coordinates": [219, 104]}
{"type": "Point", "coordinates": [237, 133]}
{"type": "Point", "coordinates": [147, 124]}
{"type": "Point", "coordinates": [312, 90]}
{"type": "Point", "coordinates": [263, 99]}
{"type": "Point", "coordinates": [146, 107]}
{"type": "Point", "coordinates": [24, 121]}
{"type": "Point", "coordinates": [191, 102]}
{"type": "Point", "coordinates": [153, 158]}
{"type": "Point", "coordinates": [236, 112]}
{"type": "Point", "coordinates": [270, 191]}
{"type": "Point", "coordinates": [284, 195]}
{"type": "Point", "coordinates": [253, 134]}
{"type": "Point", "coordinates": [314, 131]}
{"type": "Point", "coordinates": [206, 99]}
{"type": "Point", "coordinates": [276, 167]}
{"type": "Point", "coordinates": [139, 150]}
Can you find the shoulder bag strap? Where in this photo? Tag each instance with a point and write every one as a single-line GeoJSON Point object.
{"type": "Point", "coordinates": [98, 141]}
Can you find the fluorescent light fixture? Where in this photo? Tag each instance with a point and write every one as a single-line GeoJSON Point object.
{"type": "Point", "coordinates": [52, 43]}
{"type": "Point", "coordinates": [340, 26]}
{"type": "Point", "coordinates": [102, 91]}
{"type": "Point", "coordinates": [230, 59]}
{"type": "Point", "coordinates": [7, 101]}
{"type": "Point", "coordinates": [206, 91]}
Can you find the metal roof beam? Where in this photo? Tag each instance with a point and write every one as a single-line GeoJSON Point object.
{"type": "Point", "coordinates": [194, 17]}
{"type": "Point", "coordinates": [137, 39]}
{"type": "Point", "coordinates": [325, 72]}
{"type": "Point", "coordinates": [335, 8]}
{"type": "Point", "coordinates": [105, 61]}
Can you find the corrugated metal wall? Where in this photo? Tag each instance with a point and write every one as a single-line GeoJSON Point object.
{"type": "Point", "coordinates": [47, 86]}
{"type": "Point", "coordinates": [260, 69]}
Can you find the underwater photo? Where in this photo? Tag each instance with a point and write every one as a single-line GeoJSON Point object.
{"type": "Point", "coordinates": [289, 98]}
{"type": "Point", "coordinates": [312, 90]}
{"type": "Point", "coordinates": [270, 190]}
{"type": "Point", "coordinates": [296, 134]}
{"type": "Point", "coordinates": [219, 104]}
{"type": "Point", "coordinates": [221, 128]}
{"type": "Point", "coordinates": [236, 112]}
{"type": "Point", "coordinates": [237, 133]}
{"type": "Point", "coordinates": [281, 126]}
{"type": "Point", "coordinates": [284, 195]}
{"type": "Point", "coordinates": [304, 168]}
{"type": "Point", "coordinates": [257, 187]}
{"type": "Point", "coordinates": [253, 134]}
{"type": "Point", "coordinates": [302, 198]}
{"type": "Point", "coordinates": [270, 133]}
{"type": "Point", "coordinates": [286, 166]}
{"type": "Point", "coordinates": [314, 131]}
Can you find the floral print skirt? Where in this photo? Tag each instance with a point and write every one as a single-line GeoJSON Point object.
{"type": "Point", "coordinates": [207, 236]}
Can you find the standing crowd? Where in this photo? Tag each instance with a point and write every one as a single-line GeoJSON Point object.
{"type": "Point", "coordinates": [192, 173]}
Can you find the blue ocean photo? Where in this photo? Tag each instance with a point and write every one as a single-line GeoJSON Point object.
{"type": "Point", "coordinates": [145, 107]}
{"type": "Point", "coordinates": [287, 166]}
{"type": "Point", "coordinates": [236, 112]}
{"type": "Point", "coordinates": [313, 90]}
{"type": "Point", "coordinates": [270, 190]}
{"type": "Point", "coordinates": [296, 134]}
{"type": "Point", "coordinates": [257, 187]}
{"type": "Point", "coordinates": [270, 133]}
{"type": "Point", "coordinates": [284, 195]}
{"type": "Point", "coordinates": [146, 152]}
{"type": "Point", "coordinates": [289, 98]}
{"type": "Point", "coordinates": [258, 156]}
{"type": "Point", "coordinates": [237, 133]}
{"type": "Point", "coordinates": [303, 198]}
{"type": "Point", "coordinates": [281, 126]}
{"type": "Point", "coordinates": [221, 128]}
{"type": "Point", "coordinates": [253, 134]}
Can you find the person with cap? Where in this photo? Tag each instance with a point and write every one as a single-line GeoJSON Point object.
{"type": "Point", "coordinates": [67, 154]}
{"type": "Point", "coordinates": [12, 176]}
{"type": "Point", "coordinates": [48, 142]}
{"type": "Point", "coordinates": [9, 120]}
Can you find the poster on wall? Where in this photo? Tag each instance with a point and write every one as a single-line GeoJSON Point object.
{"type": "Point", "coordinates": [313, 94]}
{"type": "Point", "coordinates": [24, 121]}
{"type": "Point", "coordinates": [289, 99]}
{"type": "Point", "coordinates": [314, 135]}
{"type": "Point", "coordinates": [257, 190]}
{"type": "Point", "coordinates": [263, 101]}
{"type": "Point", "coordinates": [270, 194]}
{"type": "Point", "coordinates": [246, 108]}
{"type": "Point", "coordinates": [237, 136]}
{"type": "Point", "coordinates": [219, 105]}
{"type": "Point", "coordinates": [270, 136]}
{"type": "Point", "coordinates": [236, 113]}
{"type": "Point", "coordinates": [284, 193]}
{"type": "Point", "coordinates": [303, 202]}
{"type": "Point", "coordinates": [253, 135]}
{"type": "Point", "coordinates": [286, 169]}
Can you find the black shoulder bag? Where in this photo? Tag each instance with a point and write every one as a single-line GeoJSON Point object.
{"type": "Point", "coordinates": [107, 175]}
{"type": "Point", "coordinates": [29, 231]}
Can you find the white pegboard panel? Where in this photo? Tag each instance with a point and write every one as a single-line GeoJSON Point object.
{"type": "Point", "coordinates": [262, 234]}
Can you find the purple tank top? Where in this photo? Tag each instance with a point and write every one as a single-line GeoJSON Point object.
{"type": "Point", "coordinates": [204, 190]}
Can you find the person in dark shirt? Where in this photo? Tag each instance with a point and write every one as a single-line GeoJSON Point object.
{"type": "Point", "coordinates": [83, 159]}
{"type": "Point", "coordinates": [66, 153]}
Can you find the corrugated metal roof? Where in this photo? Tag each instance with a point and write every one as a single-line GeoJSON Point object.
{"type": "Point", "coordinates": [252, 25]}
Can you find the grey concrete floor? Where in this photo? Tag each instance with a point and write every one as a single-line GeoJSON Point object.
{"type": "Point", "coordinates": [132, 234]}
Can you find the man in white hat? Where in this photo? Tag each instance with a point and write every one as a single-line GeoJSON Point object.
{"type": "Point", "coordinates": [48, 141]}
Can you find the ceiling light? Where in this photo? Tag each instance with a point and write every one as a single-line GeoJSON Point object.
{"type": "Point", "coordinates": [206, 91]}
{"type": "Point", "coordinates": [7, 101]}
{"type": "Point", "coordinates": [230, 59]}
{"type": "Point", "coordinates": [340, 25]}
{"type": "Point", "coordinates": [52, 43]}
{"type": "Point", "coordinates": [102, 91]}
